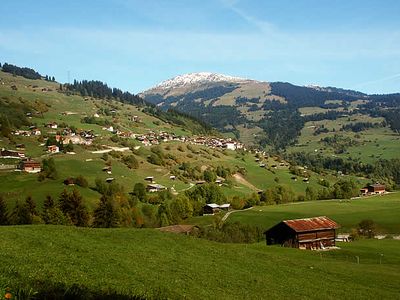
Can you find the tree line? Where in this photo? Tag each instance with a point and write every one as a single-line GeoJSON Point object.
{"type": "Point", "coordinates": [24, 72]}
{"type": "Point", "coordinates": [383, 170]}
{"type": "Point", "coordinates": [98, 89]}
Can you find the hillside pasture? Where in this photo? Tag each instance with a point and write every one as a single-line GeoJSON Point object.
{"type": "Point", "coordinates": [156, 265]}
{"type": "Point", "coordinates": [383, 210]}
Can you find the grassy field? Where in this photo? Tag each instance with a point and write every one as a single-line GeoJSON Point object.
{"type": "Point", "coordinates": [383, 210]}
{"type": "Point", "coordinates": [372, 144]}
{"type": "Point", "coordinates": [158, 265]}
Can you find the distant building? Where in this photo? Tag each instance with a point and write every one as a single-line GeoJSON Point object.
{"type": "Point", "coordinates": [4, 153]}
{"type": "Point", "coordinates": [36, 131]}
{"type": "Point", "coordinates": [152, 188]}
{"type": "Point", "coordinates": [210, 209]}
{"type": "Point", "coordinates": [52, 125]}
{"type": "Point", "coordinates": [373, 189]}
{"type": "Point", "coordinates": [53, 149]}
{"type": "Point", "coordinates": [30, 166]}
{"type": "Point", "coordinates": [311, 233]}
{"type": "Point", "coordinates": [230, 146]}
{"type": "Point", "coordinates": [149, 179]}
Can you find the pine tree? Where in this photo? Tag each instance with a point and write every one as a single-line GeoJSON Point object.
{"type": "Point", "coordinates": [31, 206]}
{"type": "Point", "coordinates": [21, 215]}
{"type": "Point", "coordinates": [106, 214]}
{"type": "Point", "coordinates": [4, 219]}
{"type": "Point", "coordinates": [52, 214]}
{"type": "Point", "coordinates": [72, 206]}
{"type": "Point", "coordinates": [139, 190]}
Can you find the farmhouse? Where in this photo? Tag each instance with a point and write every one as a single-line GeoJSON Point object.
{"type": "Point", "coordinates": [373, 189]}
{"type": "Point", "coordinates": [30, 166]}
{"type": "Point", "coordinates": [311, 233]}
{"type": "Point", "coordinates": [376, 189]}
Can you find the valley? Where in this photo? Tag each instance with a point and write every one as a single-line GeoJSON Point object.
{"type": "Point", "coordinates": [114, 168]}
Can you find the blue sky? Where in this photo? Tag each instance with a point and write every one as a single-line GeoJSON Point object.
{"type": "Point", "coordinates": [134, 44]}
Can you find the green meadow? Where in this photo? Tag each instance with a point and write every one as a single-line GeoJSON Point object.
{"type": "Point", "coordinates": [383, 210]}
{"type": "Point", "coordinates": [156, 265]}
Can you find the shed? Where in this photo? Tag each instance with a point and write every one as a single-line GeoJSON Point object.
{"type": "Point", "coordinates": [225, 206]}
{"type": "Point", "coordinates": [210, 209]}
{"type": "Point", "coordinates": [155, 187]}
{"type": "Point", "coordinates": [310, 233]}
{"type": "Point", "coordinates": [149, 179]}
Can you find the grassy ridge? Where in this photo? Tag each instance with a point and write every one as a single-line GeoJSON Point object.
{"type": "Point", "coordinates": [155, 264]}
{"type": "Point", "coordinates": [384, 210]}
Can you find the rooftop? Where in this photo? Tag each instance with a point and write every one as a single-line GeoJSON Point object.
{"type": "Point", "coordinates": [317, 223]}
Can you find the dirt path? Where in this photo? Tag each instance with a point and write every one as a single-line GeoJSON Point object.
{"type": "Point", "coordinates": [240, 179]}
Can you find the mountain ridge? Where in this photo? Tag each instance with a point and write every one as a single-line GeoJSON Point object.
{"type": "Point", "coordinates": [197, 78]}
{"type": "Point", "coordinates": [266, 109]}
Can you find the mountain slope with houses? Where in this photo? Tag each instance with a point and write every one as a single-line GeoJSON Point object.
{"type": "Point", "coordinates": [255, 111]}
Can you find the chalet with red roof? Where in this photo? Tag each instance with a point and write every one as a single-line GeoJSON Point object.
{"type": "Point", "coordinates": [311, 233]}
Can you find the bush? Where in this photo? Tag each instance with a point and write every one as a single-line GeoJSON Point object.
{"type": "Point", "coordinates": [131, 162]}
{"type": "Point", "coordinates": [155, 159]}
{"type": "Point", "coordinates": [81, 181]}
{"type": "Point", "coordinates": [366, 228]}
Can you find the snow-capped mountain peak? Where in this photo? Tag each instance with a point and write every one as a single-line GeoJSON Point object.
{"type": "Point", "coordinates": [196, 79]}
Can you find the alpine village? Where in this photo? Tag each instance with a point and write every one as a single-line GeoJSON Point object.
{"type": "Point", "coordinates": [201, 186]}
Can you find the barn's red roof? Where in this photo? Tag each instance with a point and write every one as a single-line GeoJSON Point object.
{"type": "Point", "coordinates": [309, 224]}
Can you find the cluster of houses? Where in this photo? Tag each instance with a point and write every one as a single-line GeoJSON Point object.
{"type": "Point", "coordinates": [84, 137]}
{"type": "Point", "coordinates": [213, 142]}
{"type": "Point", "coordinates": [33, 131]}
{"type": "Point", "coordinates": [155, 138]}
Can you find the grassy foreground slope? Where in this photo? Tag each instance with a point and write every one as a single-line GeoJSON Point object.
{"type": "Point", "coordinates": [383, 210]}
{"type": "Point", "coordinates": [159, 265]}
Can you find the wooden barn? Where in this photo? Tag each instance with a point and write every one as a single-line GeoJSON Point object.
{"type": "Point", "coordinates": [311, 233]}
{"type": "Point", "coordinates": [210, 209]}
{"type": "Point", "coordinates": [373, 189]}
